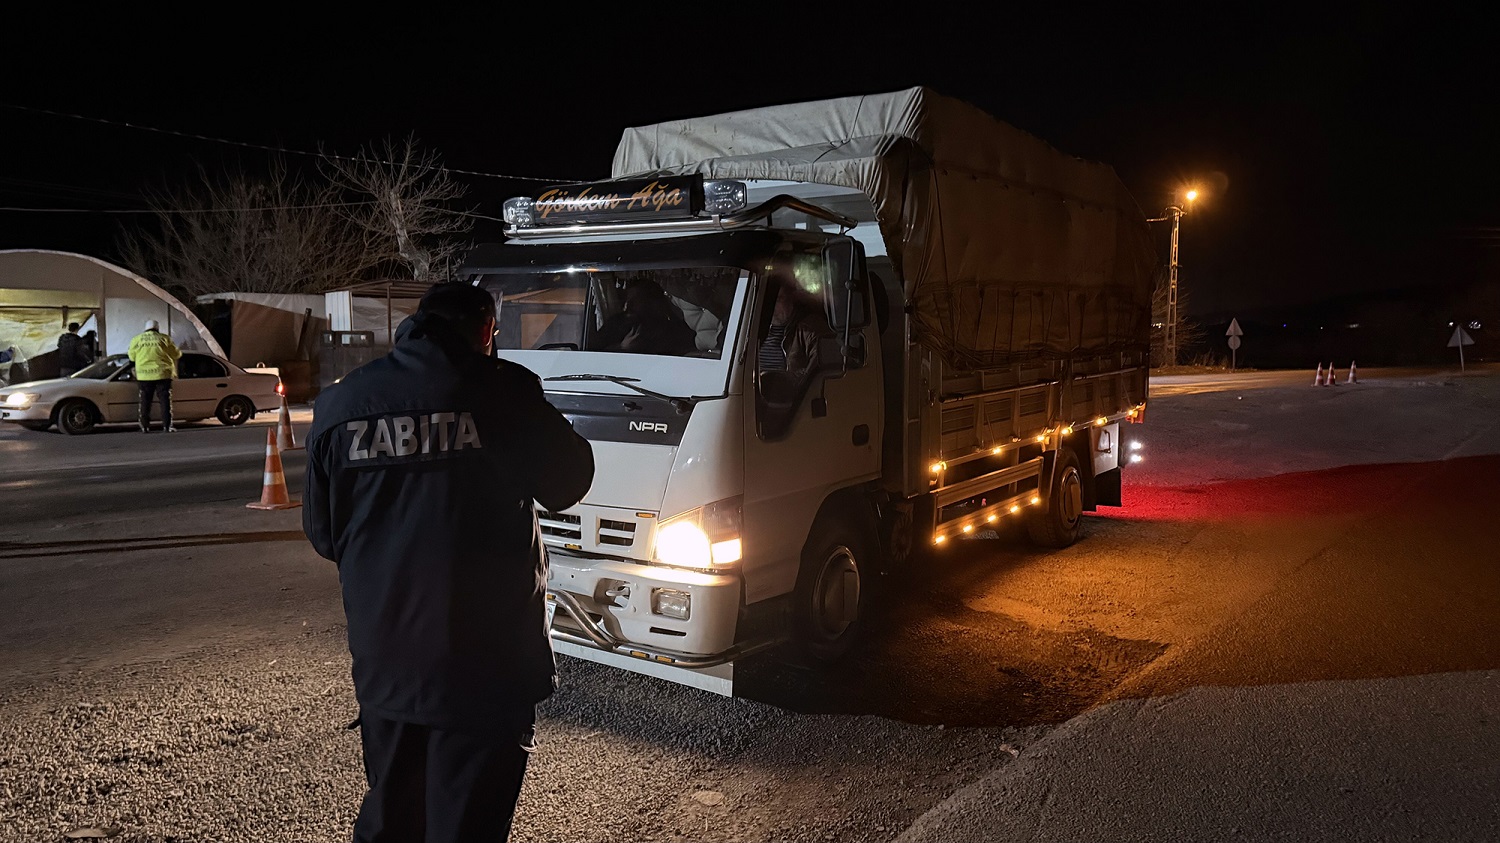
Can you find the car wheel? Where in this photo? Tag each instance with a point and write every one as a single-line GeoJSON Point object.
{"type": "Point", "coordinates": [76, 416]}
{"type": "Point", "coordinates": [1057, 523]}
{"type": "Point", "coordinates": [235, 410]}
{"type": "Point", "coordinates": [832, 594]}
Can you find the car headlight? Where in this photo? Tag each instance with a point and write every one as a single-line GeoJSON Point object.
{"type": "Point", "coordinates": [20, 399]}
{"type": "Point", "coordinates": [704, 538]}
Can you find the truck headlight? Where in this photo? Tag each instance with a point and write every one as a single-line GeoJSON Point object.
{"type": "Point", "coordinates": [684, 545]}
{"type": "Point", "coordinates": [703, 538]}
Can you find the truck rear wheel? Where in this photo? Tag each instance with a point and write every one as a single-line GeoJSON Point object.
{"type": "Point", "coordinates": [1057, 523]}
{"type": "Point", "coordinates": [832, 591]}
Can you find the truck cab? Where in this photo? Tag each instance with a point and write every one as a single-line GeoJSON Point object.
{"type": "Point", "coordinates": [724, 360]}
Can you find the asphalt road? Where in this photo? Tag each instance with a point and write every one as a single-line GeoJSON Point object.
{"type": "Point", "coordinates": [1287, 633]}
{"type": "Point", "coordinates": [118, 469]}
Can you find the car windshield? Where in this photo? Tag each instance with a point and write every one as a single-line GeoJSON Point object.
{"type": "Point", "coordinates": [676, 312]}
{"type": "Point", "coordinates": [102, 369]}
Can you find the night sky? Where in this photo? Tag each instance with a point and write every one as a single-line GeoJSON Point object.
{"type": "Point", "coordinates": [1337, 154]}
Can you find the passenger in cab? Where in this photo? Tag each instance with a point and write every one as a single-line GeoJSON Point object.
{"type": "Point", "coordinates": [648, 323]}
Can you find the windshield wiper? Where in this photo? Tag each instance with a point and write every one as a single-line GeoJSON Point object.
{"type": "Point", "coordinates": [681, 405]}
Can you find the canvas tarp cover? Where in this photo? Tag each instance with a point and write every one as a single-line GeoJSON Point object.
{"type": "Point", "coordinates": [1009, 250]}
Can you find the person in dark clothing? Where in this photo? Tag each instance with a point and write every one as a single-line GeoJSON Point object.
{"type": "Point", "coordinates": [72, 351]}
{"type": "Point", "coordinates": [788, 355]}
{"type": "Point", "coordinates": [647, 323]}
{"type": "Point", "coordinates": [422, 469]}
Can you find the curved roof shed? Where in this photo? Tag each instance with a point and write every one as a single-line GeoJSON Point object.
{"type": "Point", "coordinates": [41, 291]}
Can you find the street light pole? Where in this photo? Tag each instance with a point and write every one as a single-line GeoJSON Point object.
{"type": "Point", "coordinates": [1171, 327]}
{"type": "Point", "coordinates": [1174, 213]}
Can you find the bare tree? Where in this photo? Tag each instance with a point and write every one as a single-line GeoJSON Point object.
{"type": "Point", "coordinates": [405, 203]}
{"type": "Point", "coordinates": [1189, 333]}
{"type": "Point", "coordinates": [277, 234]}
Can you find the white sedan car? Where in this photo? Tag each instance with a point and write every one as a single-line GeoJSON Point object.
{"type": "Point", "coordinates": [106, 393]}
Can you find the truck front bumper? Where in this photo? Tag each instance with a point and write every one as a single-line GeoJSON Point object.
{"type": "Point", "coordinates": [664, 615]}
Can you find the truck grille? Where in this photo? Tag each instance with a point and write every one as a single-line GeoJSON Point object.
{"type": "Point", "coordinates": [590, 530]}
{"type": "Point", "coordinates": [618, 533]}
{"type": "Point", "coordinates": [561, 526]}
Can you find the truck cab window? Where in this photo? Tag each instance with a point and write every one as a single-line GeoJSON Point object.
{"type": "Point", "coordinates": [792, 350]}
{"type": "Point", "coordinates": [676, 311]}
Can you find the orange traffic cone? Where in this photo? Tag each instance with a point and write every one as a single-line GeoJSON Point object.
{"type": "Point", "coordinates": [1333, 378]}
{"type": "Point", "coordinates": [286, 438]}
{"type": "Point", "coordinates": [1318, 380]}
{"type": "Point", "coordinates": [1352, 377]}
{"type": "Point", "coordinates": [273, 488]}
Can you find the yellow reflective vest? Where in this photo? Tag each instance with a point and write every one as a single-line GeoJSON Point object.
{"type": "Point", "coordinates": [154, 355]}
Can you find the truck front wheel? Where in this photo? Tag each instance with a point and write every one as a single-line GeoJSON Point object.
{"type": "Point", "coordinates": [1057, 523]}
{"type": "Point", "coordinates": [832, 593]}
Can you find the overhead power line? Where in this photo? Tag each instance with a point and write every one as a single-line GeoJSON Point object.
{"type": "Point", "coordinates": [259, 146]}
{"type": "Point", "coordinates": [17, 209]}
{"type": "Point", "coordinates": [179, 210]}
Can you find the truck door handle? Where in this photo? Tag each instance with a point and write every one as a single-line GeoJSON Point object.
{"type": "Point", "coordinates": [861, 434]}
{"type": "Point", "coordinates": [222, 385]}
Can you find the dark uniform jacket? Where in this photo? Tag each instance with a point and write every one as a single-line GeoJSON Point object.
{"type": "Point", "coordinates": [800, 344]}
{"type": "Point", "coordinates": [421, 471]}
{"type": "Point", "coordinates": [72, 353]}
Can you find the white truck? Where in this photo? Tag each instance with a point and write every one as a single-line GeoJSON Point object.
{"type": "Point", "coordinates": [973, 328]}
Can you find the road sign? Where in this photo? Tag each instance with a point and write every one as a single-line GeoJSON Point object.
{"type": "Point", "coordinates": [1234, 333]}
{"type": "Point", "coordinates": [1460, 339]}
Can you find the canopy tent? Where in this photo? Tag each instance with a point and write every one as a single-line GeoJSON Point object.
{"type": "Point", "coordinates": [41, 291]}
{"type": "Point", "coordinates": [1009, 249]}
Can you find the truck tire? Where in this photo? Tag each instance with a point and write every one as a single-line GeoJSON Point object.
{"type": "Point", "coordinates": [1057, 522]}
{"type": "Point", "coordinates": [833, 587]}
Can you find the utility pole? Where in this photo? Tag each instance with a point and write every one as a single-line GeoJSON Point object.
{"type": "Point", "coordinates": [1171, 326]}
{"type": "Point", "coordinates": [1174, 213]}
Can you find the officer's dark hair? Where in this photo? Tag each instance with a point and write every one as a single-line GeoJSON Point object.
{"type": "Point", "coordinates": [73, 326]}
{"type": "Point", "coordinates": [463, 307]}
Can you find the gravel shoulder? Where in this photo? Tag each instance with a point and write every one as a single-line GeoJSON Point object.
{"type": "Point", "coordinates": [245, 744]}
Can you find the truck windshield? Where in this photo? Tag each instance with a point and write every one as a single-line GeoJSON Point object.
{"type": "Point", "coordinates": [673, 312]}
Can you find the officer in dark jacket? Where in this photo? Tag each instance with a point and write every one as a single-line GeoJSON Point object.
{"type": "Point", "coordinates": [72, 351]}
{"type": "Point", "coordinates": [422, 468]}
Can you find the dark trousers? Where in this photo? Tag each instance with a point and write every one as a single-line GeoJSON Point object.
{"type": "Point", "coordinates": [157, 389]}
{"type": "Point", "coordinates": [441, 785]}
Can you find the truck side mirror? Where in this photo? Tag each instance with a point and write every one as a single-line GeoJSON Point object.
{"type": "Point", "coordinates": [843, 285]}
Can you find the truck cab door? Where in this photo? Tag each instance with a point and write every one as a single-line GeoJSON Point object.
{"type": "Point", "coordinates": [807, 434]}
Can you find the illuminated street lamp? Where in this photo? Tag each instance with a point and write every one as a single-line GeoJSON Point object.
{"type": "Point", "coordinates": [1174, 213]}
